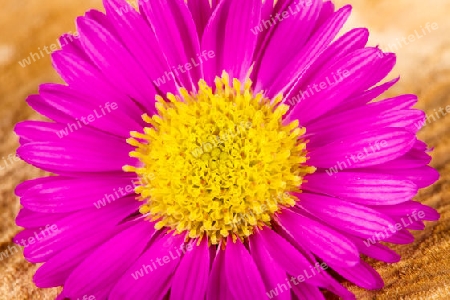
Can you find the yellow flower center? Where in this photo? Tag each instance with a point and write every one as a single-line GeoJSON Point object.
{"type": "Point", "coordinates": [218, 162]}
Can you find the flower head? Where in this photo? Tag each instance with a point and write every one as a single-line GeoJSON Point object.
{"type": "Point", "coordinates": [219, 150]}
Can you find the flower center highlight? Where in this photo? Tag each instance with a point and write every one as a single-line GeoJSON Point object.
{"type": "Point", "coordinates": [218, 162]}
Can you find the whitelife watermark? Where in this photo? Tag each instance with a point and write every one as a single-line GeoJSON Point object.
{"type": "Point", "coordinates": [9, 161]}
{"type": "Point", "coordinates": [123, 191]}
{"type": "Point", "coordinates": [292, 10]}
{"type": "Point", "coordinates": [307, 274]}
{"type": "Point", "coordinates": [436, 115]}
{"type": "Point", "coordinates": [96, 114]}
{"type": "Point", "coordinates": [405, 222]}
{"type": "Point", "coordinates": [194, 62]}
{"type": "Point", "coordinates": [43, 233]}
{"type": "Point", "coordinates": [333, 79]}
{"type": "Point", "coordinates": [359, 157]}
{"type": "Point", "coordinates": [160, 262]}
{"type": "Point", "coordinates": [87, 297]}
{"type": "Point", "coordinates": [411, 38]}
{"type": "Point", "coordinates": [47, 50]}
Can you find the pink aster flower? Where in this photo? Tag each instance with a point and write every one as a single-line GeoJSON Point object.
{"type": "Point", "coordinates": [219, 150]}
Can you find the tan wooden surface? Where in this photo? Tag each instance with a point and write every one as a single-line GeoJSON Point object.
{"type": "Point", "coordinates": [424, 271]}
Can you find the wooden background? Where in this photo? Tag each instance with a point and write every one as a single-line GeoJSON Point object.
{"type": "Point", "coordinates": [424, 271]}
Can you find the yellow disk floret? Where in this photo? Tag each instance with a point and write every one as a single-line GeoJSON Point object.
{"type": "Point", "coordinates": [218, 162]}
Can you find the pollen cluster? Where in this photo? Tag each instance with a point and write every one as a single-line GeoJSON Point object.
{"type": "Point", "coordinates": [219, 161]}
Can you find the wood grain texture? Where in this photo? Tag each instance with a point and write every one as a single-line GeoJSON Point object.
{"type": "Point", "coordinates": [424, 271]}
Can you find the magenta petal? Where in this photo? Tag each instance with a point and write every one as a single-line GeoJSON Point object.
{"type": "Point", "coordinates": [218, 287]}
{"type": "Point", "coordinates": [107, 263]}
{"type": "Point", "coordinates": [286, 255]}
{"type": "Point", "coordinates": [176, 33]}
{"type": "Point", "coordinates": [289, 36]}
{"type": "Point", "coordinates": [242, 274]}
{"type": "Point", "coordinates": [398, 143]}
{"type": "Point", "coordinates": [367, 96]}
{"type": "Point", "coordinates": [79, 225]}
{"type": "Point", "coordinates": [349, 42]}
{"type": "Point", "coordinates": [62, 194]}
{"type": "Point", "coordinates": [146, 279]}
{"type": "Point", "coordinates": [305, 58]}
{"type": "Point", "coordinates": [84, 77]}
{"type": "Point", "coordinates": [140, 40]}
{"type": "Point", "coordinates": [103, 48]}
{"type": "Point", "coordinates": [326, 12]}
{"type": "Point", "coordinates": [359, 66]}
{"type": "Point", "coordinates": [363, 188]}
{"type": "Point", "coordinates": [401, 237]}
{"type": "Point", "coordinates": [363, 275]}
{"type": "Point", "coordinates": [356, 219]}
{"type": "Point", "coordinates": [61, 157]}
{"type": "Point", "coordinates": [324, 242]}
{"type": "Point", "coordinates": [201, 11]}
{"type": "Point", "coordinates": [307, 291]}
{"type": "Point", "coordinates": [231, 25]}
{"type": "Point", "coordinates": [374, 249]}
{"type": "Point", "coordinates": [415, 210]}
{"type": "Point", "coordinates": [57, 269]}
{"type": "Point", "coordinates": [422, 177]}
{"type": "Point", "coordinates": [27, 218]}
{"type": "Point", "coordinates": [37, 131]}
{"type": "Point", "coordinates": [185, 286]}
{"type": "Point", "coordinates": [272, 274]}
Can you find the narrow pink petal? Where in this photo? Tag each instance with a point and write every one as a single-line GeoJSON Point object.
{"type": "Point", "coordinates": [403, 102]}
{"type": "Point", "coordinates": [363, 275]}
{"type": "Point", "coordinates": [140, 40]}
{"type": "Point", "coordinates": [398, 142]}
{"type": "Point", "coordinates": [80, 73]}
{"type": "Point", "coordinates": [242, 273]}
{"type": "Point", "coordinates": [337, 85]}
{"type": "Point", "coordinates": [57, 269]}
{"type": "Point", "coordinates": [422, 177]}
{"type": "Point", "coordinates": [324, 242]}
{"type": "Point", "coordinates": [175, 30]}
{"type": "Point", "coordinates": [417, 211]}
{"type": "Point", "coordinates": [201, 11]}
{"type": "Point", "coordinates": [64, 157]}
{"type": "Point", "coordinates": [289, 36]}
{"type": "Point", "coordinates": [75, 110]}
{"type": "Point", "coordinates": [107, 263]}
{"type": "Point", "coordinates": [415, 158]}
{"type": "Point", "coordinates": [374, 249]}
{"type": "Point", "coordinates": [62, 194]}
{"type": "Point", "coordinates": [218, 287]}
{"type": "Point", "coordinates": [362, 188]}
{"type": "Point", "coordinates": [305, 58]}
{"type": "Point", "coordinates": [147, 278]}
{"type": "Point", "coordinates": [103, 47]}
{"type": "Point", "coordinates": [185, 286]}
{"type": "Point", "coordinates": [307, 291]}
{"type": "Point", "coordinates": [326, 281]}
{"type": "Point", "coordinates": [273, 276]}
{"type": "Point", "coordinates": [402, 237]}
{"type": "Point", "coordinates": [367, 96]}
{"type": "Point", "coordinates": [78, 226]}
{"type": "Point", "coordinates": [325, 13]}
{"type": "Point", "coordinates": [287, 256]}
{"type": "Point", "coordinates": [28, 218]}
{"type": "Point", "coordinates": [30, 131]}
{"type": "Point", "coordinates": [356, 219]}
{"type": "Point", "coordinates": [349, 42]}
{"type": "Point", "coordinates": [23, 187]}
{"type": "Point", "coordinates": [231, 25]}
